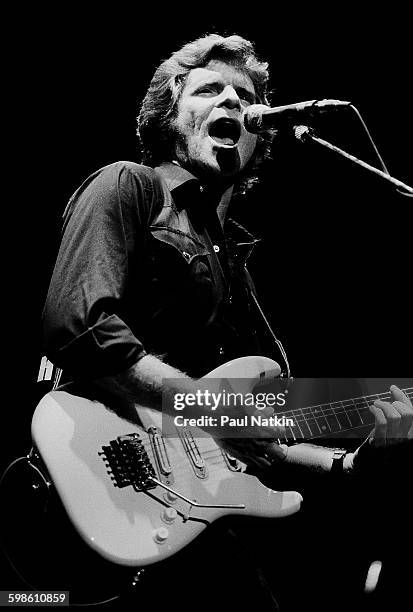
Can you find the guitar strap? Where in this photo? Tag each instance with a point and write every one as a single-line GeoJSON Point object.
{"type": "Point", "coordinates": [285, 369]}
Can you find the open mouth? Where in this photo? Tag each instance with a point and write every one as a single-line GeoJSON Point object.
{"type": "Point", "coordinates": [225, 131]}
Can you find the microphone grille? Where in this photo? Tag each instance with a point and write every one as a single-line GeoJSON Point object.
{"type": "Point", "coordinates": [302, 132]}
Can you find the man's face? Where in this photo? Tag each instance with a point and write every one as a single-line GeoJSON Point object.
{"type": "Point", "coordinates": [211, 139]}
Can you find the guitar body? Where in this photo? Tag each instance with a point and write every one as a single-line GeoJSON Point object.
{"type": "Point", "coordinates": [120, 523]}
{"type": "Point", "coordinates": [134, 526]}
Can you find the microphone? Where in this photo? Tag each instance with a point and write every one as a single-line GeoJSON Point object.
{"type": "Point", "coordinates": [260, 118]}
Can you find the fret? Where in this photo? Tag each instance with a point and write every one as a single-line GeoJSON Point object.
{"type": "Point", "coordinates": [289, 430]}
{"type": "Point", "coordinates": [331, 417]}
{"type": "Point", "coordinates": [295, 429]}
{"type": "Point", "coordinates": [356, 406]}
{"type": "Point", "coordinates": [363, 409]}
{"type": "Point", "coordinates": [321, 420]}
{"type": "Point", "coordinates": [290, 435]}
{"type": "Point", "coordinates": [297, 432]}
{"type": "Point", "coordinates": [360, 410]}
{"type": "Point", "coordinates": [352, 413]}
{"type": "Point", "coordinates": [342, 415]}
{"type": "Point", "coordinates": [302, 422]}
{"type": "Point", "coordinates": [314, 420]}
{"type": "Point", "coordinates": [311, 422]}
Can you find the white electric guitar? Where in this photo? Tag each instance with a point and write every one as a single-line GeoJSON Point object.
{"type": "Point", "coordinates": [135, 496]}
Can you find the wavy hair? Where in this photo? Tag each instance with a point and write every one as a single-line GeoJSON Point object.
{"type": "Point", "coordinates": [159, 107]}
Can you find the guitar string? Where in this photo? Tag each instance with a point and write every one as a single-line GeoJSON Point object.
{"type": "Point", "coordinates": [326, 433]}
{"type": "Point", "coordinates": [214, 457]}
{"type": "Point", "coordinates": [206, 454]}
{"type": "Point", "coordinates": [217, 453]}
{"type": "Point", "coordinates": [385, 395]}
{"type": "Point", "coordinates": [288, 435]}
{"type": "Point", "coordinates": [336, 407]}
{"type": "Point", "coordinates": [313, 417]}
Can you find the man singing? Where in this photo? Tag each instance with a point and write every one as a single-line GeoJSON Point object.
{"type": "Point", "coordinates": [150, 281]}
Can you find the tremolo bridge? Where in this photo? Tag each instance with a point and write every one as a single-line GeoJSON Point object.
{"type": "Point", "coordinates": [129, 464]}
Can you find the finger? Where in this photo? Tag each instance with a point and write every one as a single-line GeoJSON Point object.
{"type": "Point", "coordinates": [266, 433]}
{"type": "Point", "coordinates": [380, 426]}
{"type": "Point", "coordinates": [258, 458]}
{"type": "Point", "coordinates": [393, 419]}
{"type": "Point", "coordinates": [274, 453]}
{"type": "Point", "coordinates": [241, 453]}
{"type": "Point", "coordinates": [400, 396]}
{"type": "Point", "coordinates": [266, 453]}
{"type": "Point", "coordinates": [247, 451]}
{"type": "Point", "coordinates": [262, 463]}
{"type": "Point", "coordinates": [265, 412]}
{"type": "Point", "coordinates": [406, 418]}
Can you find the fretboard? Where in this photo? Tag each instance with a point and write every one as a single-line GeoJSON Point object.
{"type": "Point", "coordinates": [335, 418]}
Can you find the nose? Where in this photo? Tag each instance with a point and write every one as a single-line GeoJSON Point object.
{"type": "Point", "coordinates": [229, 98]}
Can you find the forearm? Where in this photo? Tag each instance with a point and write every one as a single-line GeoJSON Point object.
{"type": "Point", "coordinates": [312, 458]}
{"type": "Point", "coordinates": [150, 383]}
{"type": "Point", "coordinates": [307, 468]}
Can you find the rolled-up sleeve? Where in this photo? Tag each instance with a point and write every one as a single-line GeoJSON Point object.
{"type": "Point", "coordinates": [85, 330]}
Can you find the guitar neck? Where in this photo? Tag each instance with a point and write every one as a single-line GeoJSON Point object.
{"type": "Point", "coordinates": [335, 418]}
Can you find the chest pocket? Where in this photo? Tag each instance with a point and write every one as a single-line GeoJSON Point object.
{"type": "Point", "coordinates": [185, 277]}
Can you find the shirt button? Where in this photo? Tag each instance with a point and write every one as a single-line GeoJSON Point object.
{"type": "Point", "coordinates": [216, 248]}
{"type": "Point", "coordinates": [221, 351]}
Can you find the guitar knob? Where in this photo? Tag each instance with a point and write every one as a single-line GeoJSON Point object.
{"type": "Point", "coordinates": [171, 498]}
{"type": "Point", "coordinates": [169, 515]}
{"type": "Point", "coordinates": [161, 535]}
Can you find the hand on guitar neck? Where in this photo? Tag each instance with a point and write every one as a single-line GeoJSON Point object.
{"type": "Point", "coordinates": [393, 430]}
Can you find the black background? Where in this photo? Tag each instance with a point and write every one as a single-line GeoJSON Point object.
{"type": "Point", "coordinates": [334, 270]}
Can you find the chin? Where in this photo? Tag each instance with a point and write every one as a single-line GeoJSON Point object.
{"type": "Point", "coordinates": [221, 164]}
{"type": "Point", "coordinates": [217, 173]}
{"type": "Point", "coordinates": [229, 162]}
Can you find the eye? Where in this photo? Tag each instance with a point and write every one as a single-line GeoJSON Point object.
{"type": "Point", "coordinates": [246, 97]}
{"type": "Point", "coordinates": [207, 90]}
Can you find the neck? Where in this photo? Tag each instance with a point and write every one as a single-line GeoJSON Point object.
{"type": "Point", "coordinates": [219, 194]}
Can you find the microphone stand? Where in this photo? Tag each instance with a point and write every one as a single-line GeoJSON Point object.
{"type": "Point", "coordinates": [303, 133]}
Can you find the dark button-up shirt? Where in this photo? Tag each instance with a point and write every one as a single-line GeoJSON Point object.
{"type": "Point", "coordinates": [144, 267]}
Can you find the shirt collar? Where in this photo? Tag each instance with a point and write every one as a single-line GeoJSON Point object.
{"type": "Point", "coordinates": [178, 180]}
{"type": "Point", "coordinates": [184, 185]}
